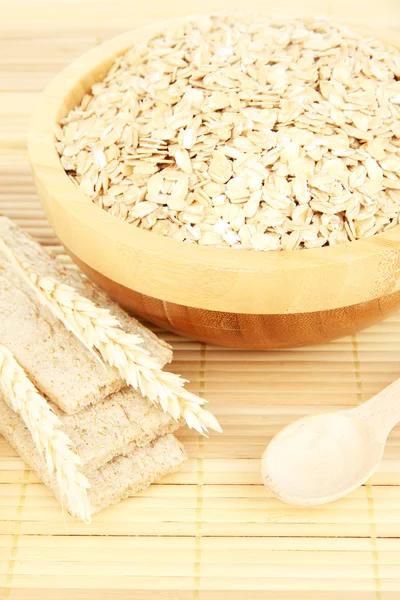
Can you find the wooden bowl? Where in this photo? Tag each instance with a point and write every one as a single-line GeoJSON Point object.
{"type": "Point", "coordinates": [238, 298]}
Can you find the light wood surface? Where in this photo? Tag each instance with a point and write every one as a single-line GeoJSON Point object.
{"type": "Point", "coordinates": [248, 331]}
{"type": "Point", "coordinates": [212, 531]}
{"type": "Point", "coordinates": [321, 458]}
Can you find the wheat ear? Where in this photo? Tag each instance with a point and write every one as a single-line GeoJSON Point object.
{"type": "Point", "coordinates": [53, 444]}
{"type": "Point", "coordinates": [97, 329]}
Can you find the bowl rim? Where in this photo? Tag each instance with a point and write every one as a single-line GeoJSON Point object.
{"type": "Point", "coordinates": [221, 272]}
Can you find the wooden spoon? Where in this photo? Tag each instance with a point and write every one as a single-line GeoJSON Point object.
{"type": "Point", "coordinates": [321, 458]}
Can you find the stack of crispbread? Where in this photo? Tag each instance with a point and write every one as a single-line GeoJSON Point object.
{"type": "Point", "coordinates": [124, 443]}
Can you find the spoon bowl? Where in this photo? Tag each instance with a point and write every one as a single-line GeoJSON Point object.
{"type": "Point", "coordinates": [321, 458]}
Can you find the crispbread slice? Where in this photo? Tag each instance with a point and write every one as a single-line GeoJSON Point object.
{"type": "Point", "coordinates": [127, 474]}
{"type": "Point", "coordinates": [121, 477]}
{"type": "Point", "coordinates": [59, 365]}
{"type": "Point", "coordinates": [102, 431]}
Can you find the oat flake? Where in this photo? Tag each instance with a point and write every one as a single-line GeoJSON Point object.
{"type": "Point", "coordinates": [240, 131]}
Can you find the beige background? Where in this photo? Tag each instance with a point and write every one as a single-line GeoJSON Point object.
{"type": "Point", "coordinates": [211, 531]}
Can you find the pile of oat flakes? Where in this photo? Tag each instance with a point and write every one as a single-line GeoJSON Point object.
{"type": "Point", "coordinates": [241, 131]}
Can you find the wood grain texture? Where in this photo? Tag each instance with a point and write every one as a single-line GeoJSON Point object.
{"type": "Point", "coordinates": [247, 331]}
{"type": "Point", "coordinates": [211, 532]}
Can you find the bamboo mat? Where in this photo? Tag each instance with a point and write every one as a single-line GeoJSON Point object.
{"type": "Point", "coordinates": [210, 531]}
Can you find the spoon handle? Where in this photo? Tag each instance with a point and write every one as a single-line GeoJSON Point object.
{"type": "Point", "coordinates": [382, 410]}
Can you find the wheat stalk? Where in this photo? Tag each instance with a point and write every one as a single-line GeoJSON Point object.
{"type": "Point", "coordinates": [54, 445]}
{"type": "Point", "coordinates": [97, 329]}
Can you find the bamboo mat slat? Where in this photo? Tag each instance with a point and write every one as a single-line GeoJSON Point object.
{"type": "Point", "coordinates": [210, 531]}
